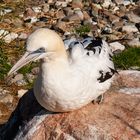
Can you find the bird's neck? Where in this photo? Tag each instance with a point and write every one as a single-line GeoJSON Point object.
{"type": "Point", "coordinates": [58, 62]}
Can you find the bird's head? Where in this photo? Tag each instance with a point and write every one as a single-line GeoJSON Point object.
{"type": "Point", "coordinates": [41, 44]}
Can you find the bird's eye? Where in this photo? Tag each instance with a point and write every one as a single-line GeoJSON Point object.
{"type": "Point", "coordinates": [41, 49]}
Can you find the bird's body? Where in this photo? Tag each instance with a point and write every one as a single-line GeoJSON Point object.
{"type": "Point", "coordinates": [68, 82]}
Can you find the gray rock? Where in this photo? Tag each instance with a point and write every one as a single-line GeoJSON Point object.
{"type": "Point", "coordinates": [129, 28]}
{"type": "Point", "coordinates": [21, 82]}
{"type": "Point", "coordinates": [30, 77]}
{"type": "Point", "coordinates": [61, 26]}
{"type": "Point", "coordinates": [34, 19]}
{"type": "Point", "coordinates": [98, 1]}
{"type": "Point", "coordinates": [107, 29]}
{"type": "Point", "coordinates": [95, 9]}
{"type": "Point", "coordinates": [22, 36]}
{"type": "Point", "coordinates": [129, 36]}
{"type": "Point", "coordinates": [59, 4]}
{"type": "Point", "coordinates": [111, 17]}
{"type": "Point", "coordinates": [6, 98]}
{"type": "Point", "coordinates": [126, 2]}
{"type": "Point", "coordinates": [3, 33]}
{"type": "Point", "coordinates": [92, 122]}
{"type": "Point", "coordinates": [5, 11]}
{"type": "Point", "coordinates": [45, 8]}
{"type": "Point", "coordinates": [86, 15]}
{"type": "Point", "coordinates": [118, 25]}
{"type": "Point", "coordinates": [77, 4]}
{"type": "Point", "coordinates": [119, 1]}
{"type": "Point", "coordinates": [35, 70]}
{"type": "Point", "coordinates": [28, 25]}
{"type": "Point", "coordinates": [68, 11]}
{"type": "Point", "coordinates": [79, 13]}
{"type": "Point", "coordinates": [10, 37]}
{"type": "Point", "coordinates": [21, 92]}
{"type": "Point", "coordinates": [73, 17]}
{"type": "Point", "coordinates": [113, 37]}
{"type": "Point", "coordinates": [29, 13]}
{"type": "Point", "coordinates": [36, 9]}
{"type": "Point", "coordinates": [135, 42]}
{"type": "Point", "coordinates": [134, 68]}
{"type": "Point", "coordinates": [116, 46]}
{"type": "Point", "coordinates": [130, 90]}
{"type": "Point", "coordinates": [51, 1]}
{"type": "Point", "coordinates": [3, 91]}
{"type": "Point", "coordinates": [107, 3]}
{"type": "Point", "coordinates": [39, 24]}
{"type": "Point", "coordinates": [133, 17]}
{"type": "Point", "coordinates": [60, 14]}
{"type": "Point", "coordinates": [18, 77]}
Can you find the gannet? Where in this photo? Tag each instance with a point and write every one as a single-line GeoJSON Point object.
{"type": "Point", "coordinates": [67, 82]}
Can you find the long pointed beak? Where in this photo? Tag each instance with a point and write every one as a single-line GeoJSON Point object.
{"type": "Point", "coordinates": [26, 58]}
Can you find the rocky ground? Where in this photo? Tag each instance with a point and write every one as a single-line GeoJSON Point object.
{"type": "Point", "coordinates": [117, 118]}
{"type": "Point", "coordinates": [116, 21]}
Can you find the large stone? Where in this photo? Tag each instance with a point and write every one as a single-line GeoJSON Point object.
{"type": "Point", "coordinates": [134, 43]}
{"type": "Point", "coordinates": [61, 26]}
{"type": "Point", "coordinates": [29, 13]}
{"type": "Point", "coordinates": [79, 13]}
{"type": "Point", "coordinates": [21, 92]}
{"type": "Point", "coordinates": [23, 36]}
{"type": "Point", "coordinates": [72, 18]}
{"type": "Point", "coordinates": [7, 105]}
{"type": "Point", "coordinates": [128, 78]}
{"type": "Point", "coordinates": [119, 1]}
{"type": "Point", "coordinates": [17, 78]}
{"type": "Point", "coordinates": [112, 18]}
{"type": "Point", "coordinates": [118, 117]}
{"type": "Point", "coordinates": [68, 11]}
{"type": "Point", "coordinates": [77, 4]}
{"type": "Point", "coordinates": [107, 3]}
{"type": "Point", "coordinates": [59, 4]}
{"type": "Point", "coordinates": [133, 17]}
{"type": "Point", "coordinates": [60, 14]}
{"type": "Point", "coordinates": [18, 23]}
{"type": "Point", "coordinates": [5, 11]}
{"type": "Point", "coordinates": [45, 8]}
{"type": "Point", "coordinates": [129, 28]}
{"type": "Point", "coordinates": [116, 46]}
{"type": "Point", "coordinates": [10, 37]}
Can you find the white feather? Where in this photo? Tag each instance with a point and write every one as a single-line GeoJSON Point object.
{"type": "Point", "coordinates": [67, 82]}
{"type": "Point", "coordinates": [65, 86]}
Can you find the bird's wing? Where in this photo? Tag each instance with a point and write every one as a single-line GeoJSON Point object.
{"type": "Point", "coordinates": [94, 48]}
{"type": "Point", "coordinates": [101, 49]}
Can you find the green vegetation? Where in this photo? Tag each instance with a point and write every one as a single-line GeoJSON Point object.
{"type": "Point", "coordinates": [82, 30]}
{"type": "Point", "coordinates": [4, 65]}
{"type": "Point", "coordinates": [128, 58]}
{"type": "Point", "coordinates": [27, 68]}
{"type": "Point", "coordinates": [10, 52]}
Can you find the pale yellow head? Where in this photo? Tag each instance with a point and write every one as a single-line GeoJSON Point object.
{"type": "Point", "coordinates": [45, 38]}
{"type": "Point", "coordinates": [41, 44]}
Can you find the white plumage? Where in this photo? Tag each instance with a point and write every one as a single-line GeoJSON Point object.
{"type": "Point", "coordinates": [71, 75]}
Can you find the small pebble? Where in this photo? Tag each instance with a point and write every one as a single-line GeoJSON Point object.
{"type": "Point", "coordinates": [129, 28]}
{"type": "Point", "coordinates": [10, 37]}
{"type": "Point", "coordinates": [116, 46]}
{"type": "Point", "coordinates": [21, 92]}
{"type": "Point", "coordinates": [36, 9]}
